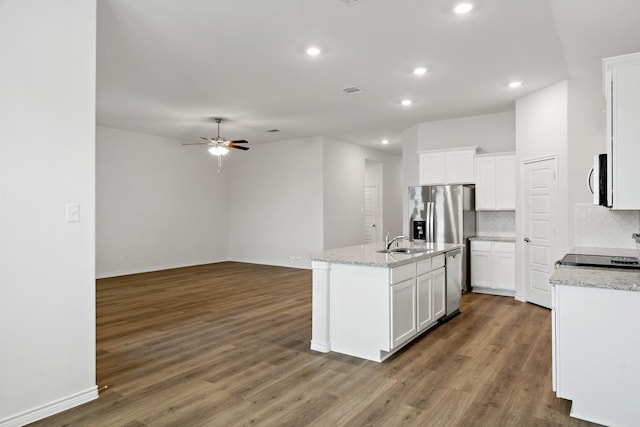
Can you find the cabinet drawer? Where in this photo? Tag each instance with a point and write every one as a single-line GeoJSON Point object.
{"type": "Point", "coordinates": [480, 245]}
{"type": "Point", "coordinates": [423, 266]}
{"type": "Point", "coordinates": [437, 262]}
{"type": "Point", "coordinates": [402, 273]}
{"type": "Point", "coordinates": [508, 247]}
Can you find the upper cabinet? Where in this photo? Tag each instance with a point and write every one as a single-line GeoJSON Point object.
{"type": "Point", "coordinates": [451, 166]}
{"type": "Point", "coordinates": [495, 178]}
{"type": "Point", "coordinates": [622, 90]}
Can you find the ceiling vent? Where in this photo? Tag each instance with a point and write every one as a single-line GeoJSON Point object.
{"type": "Point", "coordinates": [352, 89]}
{"type": "Point", "coordinates": [351, 2]}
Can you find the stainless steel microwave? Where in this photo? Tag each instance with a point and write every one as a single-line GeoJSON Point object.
{"type": "Point", "coordinates": [597, 180]}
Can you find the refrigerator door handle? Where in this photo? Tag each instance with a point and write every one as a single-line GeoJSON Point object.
{"type": "Point", "coordinates": [431, 216]}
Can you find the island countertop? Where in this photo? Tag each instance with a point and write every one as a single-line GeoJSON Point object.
{"type": "Point", "coordinates": [368, 254]}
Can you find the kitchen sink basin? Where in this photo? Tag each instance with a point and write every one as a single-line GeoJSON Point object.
{"type": "Point", "coordinates": [402, 251]}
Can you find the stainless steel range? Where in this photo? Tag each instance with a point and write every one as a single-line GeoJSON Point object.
{"type": "Point", "coordinates": [602, 261]}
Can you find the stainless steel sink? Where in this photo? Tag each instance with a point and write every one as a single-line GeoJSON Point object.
{"type": "Point", "coordinates": [402, 251]}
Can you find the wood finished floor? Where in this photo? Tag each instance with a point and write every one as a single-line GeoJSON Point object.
{"type": "Point", "coordinates": [228, 345]}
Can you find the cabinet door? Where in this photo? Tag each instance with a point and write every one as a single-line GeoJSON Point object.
{"type": "Point", "coordinates": [459, 167]}
{"type": "Point", "coordinates": [480, 268]}
{"type": "Point", "coordinates": [425, 307]}
{"type": "Point", "coordinates": [439, 295]}
{"type": "Point", "coordinates": [625, 128]}
{"type": "Point", "coordinates": [504, 266]}
{"type": "Point", "coordinates": [505, 178]}
{"type": "Point", "coordinates": [431, 169]}
{"type": "Point", "coordinates": [403, 312]}
{"type": "Point", "coordinates": [485, 183]}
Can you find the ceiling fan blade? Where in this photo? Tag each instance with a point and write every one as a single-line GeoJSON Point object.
{"type": "Point", "coordinates": [195, 143]}
{"type": "Point", "coordinates": [239, 141]}
{"type": "Point", "coordinates": [239, 147]}
{"type": "Point", "coordinates": [206, 139]}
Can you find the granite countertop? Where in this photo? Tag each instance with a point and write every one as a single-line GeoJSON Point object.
{"type": "Point", "coordinates": [603, 278]}
{"type": "Point", "coordinates": [594, 277]}
{"type": "Point", "coordinates": [494, 238]}
{"type": "Point", "coordinates": [368, 254]}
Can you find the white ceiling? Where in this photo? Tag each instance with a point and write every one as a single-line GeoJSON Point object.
{"type": "Point", "coordinates": [166, 67]}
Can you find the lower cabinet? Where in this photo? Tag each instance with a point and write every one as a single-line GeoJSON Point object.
{"type": "Point", "coordinates": [424, 302]}
{"type": "Point", "coordinates": [493, 267]}
{"type": "Point", "coordinates": [403, 311]}
{"type": "Point", "coordinates": [418, 303]}
{"type": "Point", "coordinates": [374, 311]}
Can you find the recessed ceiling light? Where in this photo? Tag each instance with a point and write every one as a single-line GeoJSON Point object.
{"type": "Point", "coordinates": [313, 51]}
{"type": "Point", "coordinates": [515, 84]}
{"type": "Point", "coordinates": [419, 71]}
{"type": "Point", "coordinates": [462, 8]}
{"type": "Point", "coordinates": [384, 141]}
{"type": "Point", "coordinates": [406, 102]}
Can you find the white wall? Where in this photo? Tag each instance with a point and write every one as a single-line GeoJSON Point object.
{"type": "Point", "coordinates": [492, 133]}
{"type": "Point", "coordinates": [542, 130]}
{"type": "Point", "coordinates": [275, 202]}
{"type": "Point", "coordinates": [159, 204]}
{"type": "Point", "coordinates": [47, 297]}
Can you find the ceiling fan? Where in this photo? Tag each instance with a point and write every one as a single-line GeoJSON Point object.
{"type": "Point", "coordinates": [219, 146]}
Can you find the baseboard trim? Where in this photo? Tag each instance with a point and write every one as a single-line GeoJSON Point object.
{"type": "Point", "coordinates": [299, 264]}
{"type": "Point", "coordinates": [140, 270]}
{"type": "Point", "coordinates": [52, 408]}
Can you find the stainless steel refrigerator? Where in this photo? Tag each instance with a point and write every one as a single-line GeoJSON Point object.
{"type": "Point", "coordinates": [444, 214]}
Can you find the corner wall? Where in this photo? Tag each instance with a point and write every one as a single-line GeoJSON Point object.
{"type": "Point", "coordinates": [344, 182]}
{"type": "Point", "coordinates": [542, 130]}
{"type": "Point", "coordinates": [275, 202]}
{"type": "Point", "coordinates": [159, 204]}
{"type": "Point", "coordinates": [47, 155]}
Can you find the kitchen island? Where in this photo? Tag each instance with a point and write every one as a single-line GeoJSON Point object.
{"type": "Point", "coordinates": [596, 346]}
{"type": "Point", "coordinates": [370, 304]}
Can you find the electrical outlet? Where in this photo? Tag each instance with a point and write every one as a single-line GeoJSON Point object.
{"type": "Point", "coordinates": [73, 212]}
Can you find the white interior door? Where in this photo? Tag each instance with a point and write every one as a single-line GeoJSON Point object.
{"type": "Point", "coordinates": [539, 228]}
{"type": "Point", "coordinates": [371, 225]}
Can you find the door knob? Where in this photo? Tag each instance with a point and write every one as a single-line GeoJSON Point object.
{"type": "Point", "coordinates": [526, 239]}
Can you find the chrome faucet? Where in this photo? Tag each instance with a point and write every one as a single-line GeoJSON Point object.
{"type": "Point", "coordinates": [388, 242]}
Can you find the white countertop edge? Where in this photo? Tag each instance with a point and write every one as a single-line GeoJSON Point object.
{"type": "Point", "coordinates": [602, 278]}
{"type": "Point", "coordinates": [367, 255]}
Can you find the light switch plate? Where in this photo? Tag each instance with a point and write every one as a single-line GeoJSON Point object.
{"type": "Point", "coordinates": [73, 212]}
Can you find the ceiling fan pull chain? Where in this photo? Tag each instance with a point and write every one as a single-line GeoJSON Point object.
{"type": "Point", "coordinates": [219, 163]}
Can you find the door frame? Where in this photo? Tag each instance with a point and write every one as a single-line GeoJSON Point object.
{"type": "Point", "coordinates": [378, 234]}
{"type": "Point", "coordinates": [522, 206]}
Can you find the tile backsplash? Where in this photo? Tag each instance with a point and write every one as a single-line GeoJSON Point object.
{"type": "Point", "coordinates": [496, 223]}
{"type": "Point", "coordinates": [596, 226]}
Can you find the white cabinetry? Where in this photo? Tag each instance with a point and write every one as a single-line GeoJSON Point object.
{"type": "Point", "coordinates": [495, 178]}
{"type": "Point", "coordinates": [596, 353]}
{"type": "Point", "coordinates": [403, 311]}
{"type": "Point", "coordinates": [622, 90]}
{"type": "Point", "coordinates": [493, 267]}
{"type": "Point", "coordinates": [452, 166]}
{"type": "Point", "coordinates": [374, 311]}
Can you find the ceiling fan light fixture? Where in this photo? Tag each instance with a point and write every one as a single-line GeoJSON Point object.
{"type": "Point", "coordinates": [218, 150]}
{"type": "Point", "coordinates": [462, 8]}
{"type": "Point", "coordinates": [313, 51]}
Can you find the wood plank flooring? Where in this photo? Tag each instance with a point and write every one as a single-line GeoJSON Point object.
{"type": "Point", "coordinates": [228, 345]}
